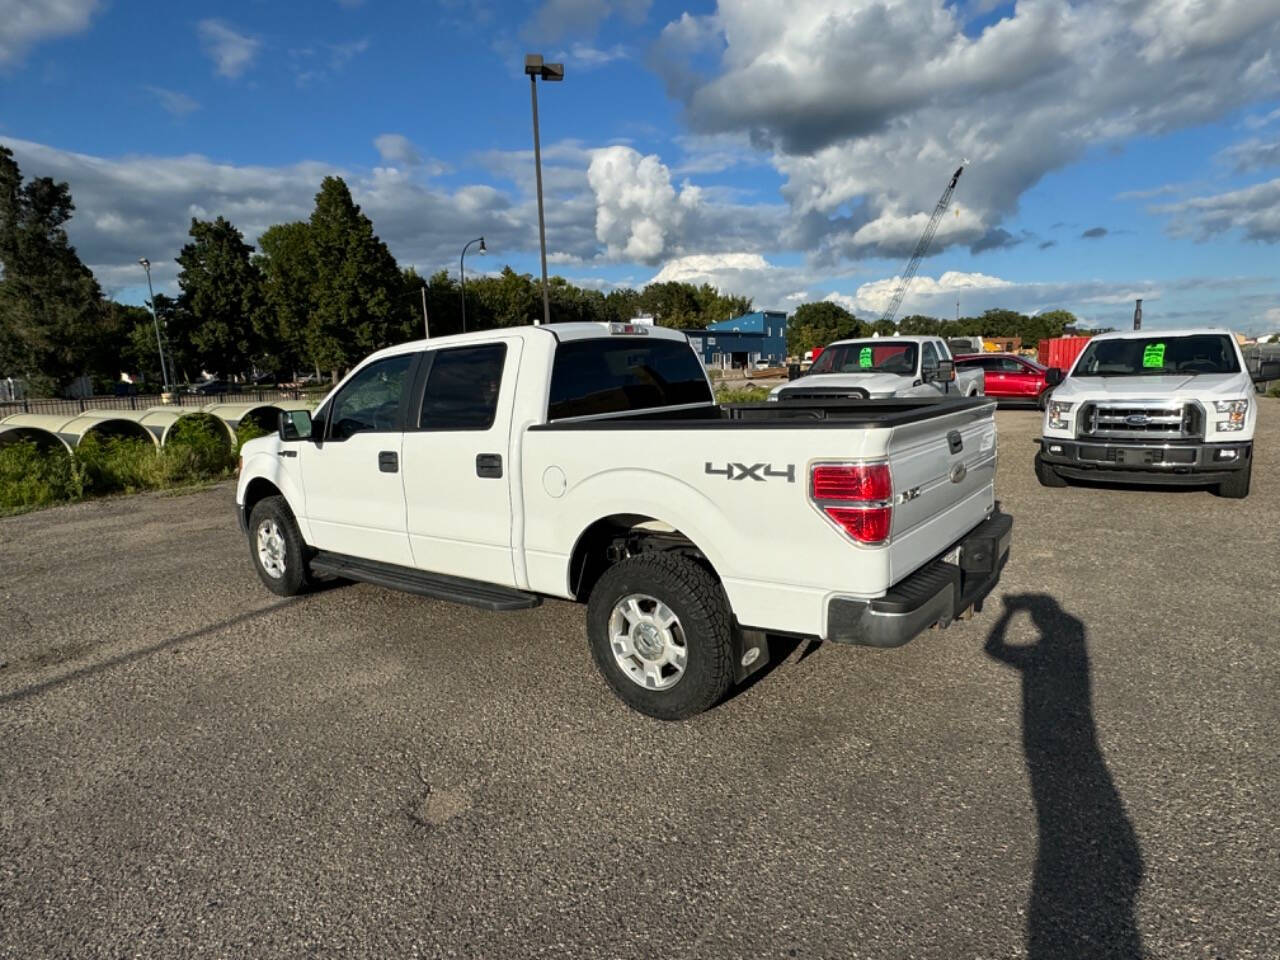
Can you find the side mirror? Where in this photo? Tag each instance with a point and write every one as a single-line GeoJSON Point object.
{"type": "Point", "coordinates": [1267, 371]}
{"type": "Point", "coordinates": [1053, 376]}
{"type": "Point", "coordinates": [945, 373]}
{"type": "Point", "coordinates": [295, 425]}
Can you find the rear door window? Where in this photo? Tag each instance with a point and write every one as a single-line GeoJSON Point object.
{"type": "Point", "coordinates": [597, 376]}
{"type": "Point", "coordinates": [462, 388]}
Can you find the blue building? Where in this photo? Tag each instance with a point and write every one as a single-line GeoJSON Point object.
{"type": "Point", "coordinates": [743, 341]}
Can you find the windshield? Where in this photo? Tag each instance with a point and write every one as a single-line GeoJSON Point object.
{"type": "Point", "coordinates": [1153, 356]}
{"type": "Point", "coordinates": [867, 356]}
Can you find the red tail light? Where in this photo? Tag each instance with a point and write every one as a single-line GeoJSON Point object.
{"type": "Point", "coordinates": [856, 497]}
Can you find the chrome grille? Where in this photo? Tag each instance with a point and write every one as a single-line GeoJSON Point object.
{"type": "Point", "coordinates": [1142, 421]}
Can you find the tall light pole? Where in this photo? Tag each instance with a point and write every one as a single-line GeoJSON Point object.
{"type": "Point", "coordinates": [462, 272]}
{"type": "Point", "coordinates": [535, 68]}
{"type": "Point", "coordinates": [164, 371]}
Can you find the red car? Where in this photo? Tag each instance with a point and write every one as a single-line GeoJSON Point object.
{"type": "Point", "coordinates": [1013, 378]}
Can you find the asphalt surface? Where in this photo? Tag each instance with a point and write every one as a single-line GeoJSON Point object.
{"type": "Point", "coordinates": [190, 766]}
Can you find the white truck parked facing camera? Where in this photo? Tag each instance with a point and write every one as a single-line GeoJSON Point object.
{"type": "Point", "coordinates": [1161, 407]}
{"type": "Point", "coordinates": [877, 368]}
{"type": "Point", "coordinates": [590, 462]}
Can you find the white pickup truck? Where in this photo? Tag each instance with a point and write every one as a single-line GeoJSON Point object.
{"type": "Point", "coordinates": [1160, 407]}
{"type": "Point", "coordinates": [590, 462]}
{"type": "Point", "coordinates": [879, 368]}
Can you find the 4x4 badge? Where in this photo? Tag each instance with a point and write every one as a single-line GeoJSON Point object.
{"type": "Point", "coordinates": [756, 471]}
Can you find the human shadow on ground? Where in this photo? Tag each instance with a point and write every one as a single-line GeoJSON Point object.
{"type": "Point", "coordinates": [1089, 865]}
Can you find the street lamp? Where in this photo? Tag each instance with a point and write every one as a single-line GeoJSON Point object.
{"type": "Point", "coordinates": [164, 371]}
{"type": "Point", "coordinates": [462, 272]}
{"type": "Point", "coordinates": [535, 68]}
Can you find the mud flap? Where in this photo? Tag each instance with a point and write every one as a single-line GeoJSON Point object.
{"type": "Point", "coordinates": [750, 652]}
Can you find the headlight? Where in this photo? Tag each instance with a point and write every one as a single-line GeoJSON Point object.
{"type": "Point", "coordinates": [1058, 410]}
{"type": "Point", "coordinates": [1236, 411]}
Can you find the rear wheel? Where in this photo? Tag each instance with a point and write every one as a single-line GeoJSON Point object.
{"type": "Point", "coordinates": [659, 628]}
{"type": "Point", "coordinates": [279, 553]}
{"type": "Point", "coordinates": [1048, 476]}
{"type": "Point", "coordinates": [1237, 487]}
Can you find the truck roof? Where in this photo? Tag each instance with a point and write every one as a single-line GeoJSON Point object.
{"type": "Point", "coordinates": [561, 331]}
{"type": "Point", "coordinates": [1165, 332]}
{"type": "Point", "coordinates": [876, 336]}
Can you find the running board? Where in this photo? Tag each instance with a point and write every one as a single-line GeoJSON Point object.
{"type": "Point", "coordinates": [475, 593]}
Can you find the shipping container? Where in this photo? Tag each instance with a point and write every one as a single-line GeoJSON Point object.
{"type": "Point", "coordinates": [1061, 352]}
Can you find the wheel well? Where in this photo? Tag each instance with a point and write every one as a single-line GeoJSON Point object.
{"type": "Point", "coordinates": [623, 535]}
{"type": "Point", "coordinates": [258, 489]}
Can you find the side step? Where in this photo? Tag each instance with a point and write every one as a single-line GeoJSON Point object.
{"type": "Point", "coordinates": [475, 593]}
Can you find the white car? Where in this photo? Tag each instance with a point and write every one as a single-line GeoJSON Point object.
{"type": "Point", "coordinates": [1159, 407]}
{"type": "Point", "coordinates": [590, 462]}
{"type": "Point", "coordinates": [879, 368]}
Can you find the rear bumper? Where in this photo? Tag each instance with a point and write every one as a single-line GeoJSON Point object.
{"type": "Point", "coordinates": [1126, 461]}
{"type": "Point", "coordinates": [936, 594]}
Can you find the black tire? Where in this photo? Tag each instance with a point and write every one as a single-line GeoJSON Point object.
{"type": "Point", "coordinates": [696, 598]}
{"type": "Point", "coordinates": [1048, 476]}
{"type": "Point", "coordinates": [1042, 401]}
{"type": "Point", "coordinates": [1236, 488]}
{"type": "Point", "coordinates": [296, 576]}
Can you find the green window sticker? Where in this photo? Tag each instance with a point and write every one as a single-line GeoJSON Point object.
{"type": "Point", "coordinates": [1153, 355]}
{"type": "Point", "coordinates": [864, 357]}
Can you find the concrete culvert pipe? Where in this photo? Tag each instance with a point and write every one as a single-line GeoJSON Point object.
{"type": "Point", "coordinates": [72, 429]}
{"type": "Point", "coordinates": [44, 440]}
{"type": "Point", "coordinates": [193, 424]}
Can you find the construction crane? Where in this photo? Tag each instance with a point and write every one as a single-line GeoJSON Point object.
{"type": "Point", "coordinates": [922, 247]}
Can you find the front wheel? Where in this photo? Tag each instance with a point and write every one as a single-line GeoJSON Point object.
{"type": "Point", "coordinates": [278, 551]}
{"type": "Point", "coordinates": [1237, 486]}
{"type": "Point", "coordinates": [660, 634]}
{"type": "Point", "coordinates": [1048, 476]}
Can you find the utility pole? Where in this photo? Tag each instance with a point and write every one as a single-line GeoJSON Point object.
{"type": "Point", "coordinates": [535, 68]}
{"type": "Point", "coordinates": [155, 318]}
{"type": "Point", "coordinates": [1137, 316]}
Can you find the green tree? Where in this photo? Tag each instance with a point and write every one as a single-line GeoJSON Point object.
{"type": "Point", "coordinates": [918, 325]}
{"type": "Point", "coordinates": [51, 308]}
{"type": "Point", "coordinates": [818, 324]}
{"type": "Point", "coordinates": [287, 268]}
{"type": "Point", "coordinates": [357, 286]}
{"type": "Point", "coordinates": [221, 297]}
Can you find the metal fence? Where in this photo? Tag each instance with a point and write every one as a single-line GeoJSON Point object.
{"type": "Point", "coordinates": [142, 401]}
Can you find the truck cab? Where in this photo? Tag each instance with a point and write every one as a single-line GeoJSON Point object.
{"type": "Point", "coordinates": [1170, 407]}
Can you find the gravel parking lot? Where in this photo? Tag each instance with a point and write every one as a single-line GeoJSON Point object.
{"type": "Point", "coordinates": [190, 766]}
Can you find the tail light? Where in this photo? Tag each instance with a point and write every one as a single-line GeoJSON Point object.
{"type": "Point", "coordinates": [856, 497]}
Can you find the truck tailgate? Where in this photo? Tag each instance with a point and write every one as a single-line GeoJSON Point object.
{"type": "Point", "coordinates": [943, 479]}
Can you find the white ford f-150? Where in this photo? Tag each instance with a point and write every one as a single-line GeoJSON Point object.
{"type": "Point", "coordinates": [1148, 406]}
{"type": "Point", "coordinates": [879, 368]}
{"type": "Point", "coordinates": [590, 462]}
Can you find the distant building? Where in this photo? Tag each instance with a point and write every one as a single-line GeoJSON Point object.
{"type": "Point", "coordinates": [743, 341]}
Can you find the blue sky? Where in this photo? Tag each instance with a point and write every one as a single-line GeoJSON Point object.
{"type": "Point", "coordinates": [786, 149]}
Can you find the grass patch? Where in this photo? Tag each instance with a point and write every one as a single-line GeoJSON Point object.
{"type": "Point", "coordinates": [31, 477]}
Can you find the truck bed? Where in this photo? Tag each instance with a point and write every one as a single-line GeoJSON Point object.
{"type": "Point", "coordinates": [842, 413]}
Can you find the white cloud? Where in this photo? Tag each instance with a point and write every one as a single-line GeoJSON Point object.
{"type": "Point", "coordinates": [638, 212]}
{"type": "Point", "coordinates": [1254, 211]}
{"type": "Point", "coordinates": [586, 57]}
{"type": "Point", "coordinates": [23, 23]}
{"type": "Point", "coordinates": [555, 19]}
{"type": "Point", "coordinates": [1250, 155]}
{"type": "Point", "coordinates": [231, 52]}
{"type": "Point", "coordinates": [178, 104]}
{"type": "Point", "coordinates": [869, 105]}
{"type": "Point", "coordinates": [142, 205]}
{"type": "Point", "coordinates": [398, 149]}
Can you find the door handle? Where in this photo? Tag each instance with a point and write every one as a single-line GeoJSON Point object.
{"type": "Point", "coordinates": [489, 465]}
{"type": "Point", "coordinates": [388, 461]}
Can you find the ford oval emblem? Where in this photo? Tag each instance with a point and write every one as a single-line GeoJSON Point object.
{"type": "Point", "coordinates": [958, 472]}
{"type": "Point", "coordinates": [1137, 420]}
